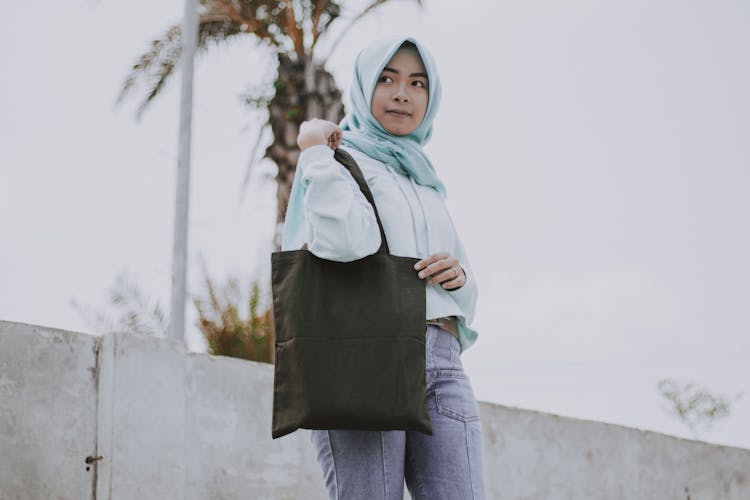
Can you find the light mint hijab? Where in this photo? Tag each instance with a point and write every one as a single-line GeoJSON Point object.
{"type": "Point", "coordinates": [363, 132]}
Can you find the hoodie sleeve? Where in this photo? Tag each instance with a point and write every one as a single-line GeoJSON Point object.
{"type": "Point", "coordinates": [341, 222]}
{"type": "Point", "coordinates": [466, 295]}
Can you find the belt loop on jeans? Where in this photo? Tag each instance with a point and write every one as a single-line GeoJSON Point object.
{"type": "Point", "coordinates": [448, 323]}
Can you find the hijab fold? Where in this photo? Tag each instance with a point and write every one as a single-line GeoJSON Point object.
{"type": "Point", "coordinates": [361, 131]}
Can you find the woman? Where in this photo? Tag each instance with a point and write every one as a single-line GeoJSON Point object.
{"type": "Point", "coordinates": [395, 96]}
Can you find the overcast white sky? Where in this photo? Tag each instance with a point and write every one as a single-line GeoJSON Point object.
{"type": "Point", "coordinates": [596, 156]}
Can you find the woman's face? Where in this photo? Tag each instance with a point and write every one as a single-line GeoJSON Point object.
{"type": "Point", "coordinates": [399, 101]}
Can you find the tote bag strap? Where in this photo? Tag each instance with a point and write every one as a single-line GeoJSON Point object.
{"type": "Point", "coordinates": [347, 161]}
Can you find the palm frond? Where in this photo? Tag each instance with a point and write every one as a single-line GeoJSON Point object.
{"type": "Point", "coordinates": [99, 321]}
{"type": "Point", "coordinates": [323, 14]}
{"type": "Point", "coordinates": [137, 313]}
{"type": "Point", "coordinates": [253, 160]}
{"type": "Point", "coordinates": [154, 66]}
{"type": "Point", "coordinates": [373, 5]}
{"type": "Point", "coordinates": [215, 27]}
{"type": "Point", "coordinates": [291, 25]}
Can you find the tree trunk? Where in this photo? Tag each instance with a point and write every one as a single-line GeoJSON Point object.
{"type": "Point", "coordinates": [290, 106]}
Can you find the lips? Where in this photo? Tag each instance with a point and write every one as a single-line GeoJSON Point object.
{"type": "Point", "coordinates": [398, 112]}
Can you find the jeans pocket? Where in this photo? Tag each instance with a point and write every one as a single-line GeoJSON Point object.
{"type": "Point", "coordinates": [454, 396]}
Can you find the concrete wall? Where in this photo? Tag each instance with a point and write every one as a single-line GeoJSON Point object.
{"type": "Point", "coordinates": [170, 424]}
{"type": "Point", "coordinates": [47, 412]}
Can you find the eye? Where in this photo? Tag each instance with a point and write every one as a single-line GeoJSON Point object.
{"type": "Point", "coordinates": [423, 84]}
{"type": "Point", "coordinates": [382, 78]}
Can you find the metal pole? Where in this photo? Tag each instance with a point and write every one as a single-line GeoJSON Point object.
{"type": "Point", "coordinates": [179, 246]}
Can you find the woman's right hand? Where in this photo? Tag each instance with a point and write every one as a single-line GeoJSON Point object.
{"type": "Point", "coordinates": [317, 131]}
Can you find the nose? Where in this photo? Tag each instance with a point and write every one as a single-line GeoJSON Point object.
{"type": "Point", "coordinates": [400, 94]}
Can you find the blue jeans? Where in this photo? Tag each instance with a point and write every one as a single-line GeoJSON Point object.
{"type": "Point", "coordinates": [373, 465]}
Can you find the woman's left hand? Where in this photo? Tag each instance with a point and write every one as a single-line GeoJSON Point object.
{"type": "Point", "coordinates": [441, 268]}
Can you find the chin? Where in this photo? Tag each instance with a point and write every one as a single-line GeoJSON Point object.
{"type": "Point", "coordinates": [401, 131]}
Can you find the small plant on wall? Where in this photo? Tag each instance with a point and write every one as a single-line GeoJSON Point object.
{"type": "Point", "coordinates": [695, 406]}
{"type": "Point", "coordinates": [226, 333]}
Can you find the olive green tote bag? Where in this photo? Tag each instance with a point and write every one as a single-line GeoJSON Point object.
{"type": "Point", "coordinates": [350, 339]}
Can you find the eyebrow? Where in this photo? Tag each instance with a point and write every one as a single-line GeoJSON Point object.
{"type": "Point", "coordinates": [424, 75]}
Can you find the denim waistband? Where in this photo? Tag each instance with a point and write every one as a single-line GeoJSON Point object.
{"type": "Point", "coordinates": [448, 323]}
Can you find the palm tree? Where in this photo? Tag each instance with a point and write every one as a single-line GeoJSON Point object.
{"type": "Point", "coordinates": [302, 90]}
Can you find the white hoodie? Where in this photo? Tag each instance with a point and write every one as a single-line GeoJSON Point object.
{"type": "Point", "coordinates": [341, 225]}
